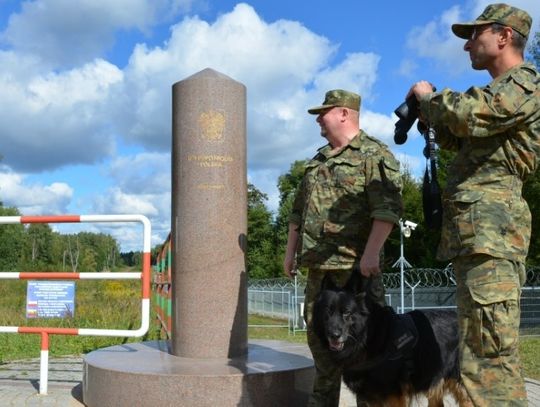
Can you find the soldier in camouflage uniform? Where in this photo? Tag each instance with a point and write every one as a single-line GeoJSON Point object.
{"type": "Point", "coordinates": [495, 130]}
{"type": "Point", "coordinates": [345, 208]}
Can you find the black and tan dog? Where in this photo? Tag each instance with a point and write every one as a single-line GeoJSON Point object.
{"type": "Point", "coordinates": [389, 359]}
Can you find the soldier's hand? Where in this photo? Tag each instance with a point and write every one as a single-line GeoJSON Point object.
{"type": "Point", "coordinates": [420, 89]}
{"type": "Point", "coordinates": [369, 265]}
{"type": "Point", "coordinates": [289, 267]}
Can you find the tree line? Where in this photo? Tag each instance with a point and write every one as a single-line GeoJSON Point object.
{"type": "Point", "coordinates": [36, 247]}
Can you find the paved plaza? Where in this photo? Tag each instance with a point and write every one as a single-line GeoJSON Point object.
{"type": "Point", "coordinates": [19, 385]}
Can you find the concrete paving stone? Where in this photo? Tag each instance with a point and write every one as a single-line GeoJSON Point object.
{"type": "Point", "coordinates": [19, 383]}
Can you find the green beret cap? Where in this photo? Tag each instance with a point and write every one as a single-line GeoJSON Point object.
{"type": "Point", "coordinates": [338, 98]}
{"type": "Point", "coordinates": [499, 13]}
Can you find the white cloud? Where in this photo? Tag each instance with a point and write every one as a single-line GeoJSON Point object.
{"type": "Point", "coordinates": [436, 41]}
{"type": "Point", "coordinates": [265, 180]}
{"type": "Point", "coordinates": [81, 112]}
{"type": "Point", "coordinates": [142, 185]}
{"type": "Point", "coordinates": [448, 52]}
{"type": "Point", "coordinates": [73, 32]}
{"type": "Point", "coordinates": [358, 72]}
{"type": "Point", "coordinates": [378, 125]}
{"type": "Point", "coordinates": [157, 207]}
{"type": "Point", "coordinates": [264, 57]}
{"type": "Point", "coordinates": [33, 199]}
{"type": "Point", "coordinates": [58, 117]}
{"type": "Point", "coordinates": [407, 68]}
{"type": "Point", "coordinates": [89, 83]}
{"type": "Point", "coordinates": [117, 201]}
{"type": "Point", "coordinates": [415, 165]}
{"type": "Point", "coordinates": [54, 119]}
{"type": "Point", "coordinates": [145, 173]}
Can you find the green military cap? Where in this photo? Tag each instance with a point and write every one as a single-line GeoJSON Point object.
{"type": "Point", "coordinates": [338, 98]}
{"type": "Point", "coordinates": [499, 13]}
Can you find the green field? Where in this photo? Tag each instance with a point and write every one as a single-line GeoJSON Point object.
{"type": "Point", "coordinates": [99, 304]}
{"type": "Point", "coordinates": [116, 305]}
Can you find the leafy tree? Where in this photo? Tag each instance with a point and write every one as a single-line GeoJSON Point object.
{"type": "Point", "coordinates": [71, 252]}
{"type": "Point", "coordinates": [134, 259]}
{"type": "Point", "coordinates": [57, 252]}
{"type": "Point", "coordinates": [89, 261]}
{"type": "Point", "coordinates": [412, 210]}
{"type": "Point", "coordinates": [261, 249]}
{"type": "Point", "coordinates": [534, 49]}
{"type": "Point", "coordinates": [287, 185]}
{"type": "Point", "coordinates": [12, 238]}
{"type": "Point", "coordinates": [421, 247]}
{"type": "Point", "coordinates": [46, 250]}
{"type": "Point", "coordinates": [38, 247]}
{"type": "Point", "coordinates": [99, 252]}
{"type": "Point", "coordinates": [531, 193]}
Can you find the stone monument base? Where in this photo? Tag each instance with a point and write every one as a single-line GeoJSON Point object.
{"type": "Point", "coordinates": [273, 373]}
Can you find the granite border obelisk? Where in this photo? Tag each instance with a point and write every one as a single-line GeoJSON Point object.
{"type": "Point", "coordinates": [208, 361]}
{"type": "Point", "coordinates": [209, 217]}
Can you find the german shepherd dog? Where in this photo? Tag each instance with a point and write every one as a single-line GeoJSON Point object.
{"type": "Point", "coordinates": [389, 359]}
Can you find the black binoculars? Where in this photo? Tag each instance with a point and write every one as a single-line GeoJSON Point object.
{"type": "Point", "coordinates": [407, 112]}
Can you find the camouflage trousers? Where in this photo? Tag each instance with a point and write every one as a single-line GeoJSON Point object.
{"type": "Point", "coordinates": [488, 301]}
{"type": "Point", "coordinates": [327, 384]}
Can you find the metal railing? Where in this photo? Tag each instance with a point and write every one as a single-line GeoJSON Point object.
{"type": "Point", "coordinates": [424, 288]}
{"type": "Point", "coordinates": [281, 299]}
{"type": "Point", "coordinates": [162, 288]}
{"type": "Point", "coordinates": [45, 331]}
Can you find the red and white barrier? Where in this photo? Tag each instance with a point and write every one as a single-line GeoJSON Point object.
{"type": "Point", "coordinates": [46, 331]}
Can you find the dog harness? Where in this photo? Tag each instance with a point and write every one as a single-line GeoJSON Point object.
{"type": "Point", "coordinates": [404, 337]}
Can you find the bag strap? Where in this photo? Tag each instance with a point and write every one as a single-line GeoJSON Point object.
{"type": "Point", "coordinates": [431, 192]}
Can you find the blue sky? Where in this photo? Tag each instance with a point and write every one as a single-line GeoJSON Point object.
{"type": "Point", "coordinates": [85, 88]}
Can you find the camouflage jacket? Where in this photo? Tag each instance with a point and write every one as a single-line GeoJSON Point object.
{"type": "Point", "coordinates": [496, 133]}
{"type": "Point", "coordinates": [339, 195]}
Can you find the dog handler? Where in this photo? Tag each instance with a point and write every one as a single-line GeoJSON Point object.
{"type": "Point", "coordinates": [344, 210]}
{"type": "Point", "coordinates": [495, 131]}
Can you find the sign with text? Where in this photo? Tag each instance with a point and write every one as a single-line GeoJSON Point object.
{"type": "Point", "coordinates": [50, 299]}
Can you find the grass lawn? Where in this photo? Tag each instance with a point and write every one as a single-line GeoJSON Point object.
{"type": "Point", "coordinates": [530, 349]}
{"type": "Point", "coordinates": [277, 333]}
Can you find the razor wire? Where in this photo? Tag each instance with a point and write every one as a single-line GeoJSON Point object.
{"type": "Point", "coordinates": [421, 277]}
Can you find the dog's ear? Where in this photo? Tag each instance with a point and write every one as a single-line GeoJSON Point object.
{"type": "Point", "coordinates": [360, 286]}
{"type": "Point", "coordinates": [328, 284]}
{"type": "Point", "coordinates": [354, 284]}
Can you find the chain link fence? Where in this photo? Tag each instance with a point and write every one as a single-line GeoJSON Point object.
{"type": "Point", "coordinates": [283, 299]}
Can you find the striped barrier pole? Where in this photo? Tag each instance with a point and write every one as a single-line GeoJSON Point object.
{"type": "Point", "coordinates": [44, 332]}
{"type": "Point", "coordinates": [44, 364]}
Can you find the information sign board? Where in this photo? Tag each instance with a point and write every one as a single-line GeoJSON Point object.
{"type": "Point", "coordinates": [50, 299]}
